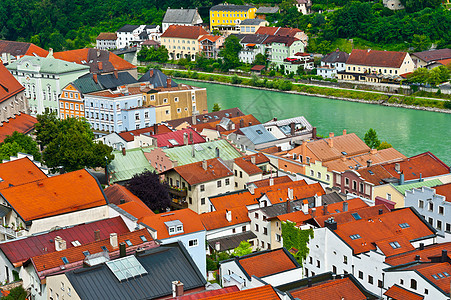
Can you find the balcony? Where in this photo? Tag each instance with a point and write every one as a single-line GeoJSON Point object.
{"type": "Point", "coordinates": [176, 191]}
{"type": "Point", "coordinates": [11, 233]}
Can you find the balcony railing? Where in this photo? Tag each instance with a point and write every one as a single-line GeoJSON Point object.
{"type": "Point", "coordinates": [177, 191]}
{"type": "Point", "coordinates": [8, 231]}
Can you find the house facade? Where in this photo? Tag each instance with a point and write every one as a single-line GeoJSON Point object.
{"type": "Point", "coordinates": [250, 26]}
{"type": "Point", "coordinates": [182, 41]}
{"type": "Point", "coordinates": [71, 103]}
{"type": "Point", "coordinates": [129, 35]}
{"type": "Point", "coordinates": [210, 45]}
{"type": "Point", "coordinates": [183, 17]}
{"type": "Point", "coordinates": [229, 16]}
{"type": "Point", "coordinates": [304, 6]}
{"type": "Point", "coordinates": [106, 41]}
{"type": "Point", "coordinates": [13, 100]}
{"type": "Point", "coordinates": [332, 63]}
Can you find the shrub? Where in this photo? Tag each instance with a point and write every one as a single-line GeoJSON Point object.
{"type": "Point", "coordinates": [447, 104]}
{"type": "Point", "coordinates": [194, 75]}
{"type": "Point", "coordinates": [235, 79]}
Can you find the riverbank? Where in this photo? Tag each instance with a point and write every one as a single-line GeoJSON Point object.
{"type": "Point", "coordinates": [286, 86]}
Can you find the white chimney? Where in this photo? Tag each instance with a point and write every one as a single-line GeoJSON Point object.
{"type": "Point", "coordinates": [251, 189]}
{"type": "Point", "coordinates": [305, 207]}
{"type": "Point", "coordinates": [218, 246]}
{"type": "Point", "coordinates": [290, 194]}
{"type": "Point", "coordinates": [228, 215]}
{"type": "Point", "coordinates": [204, 165]}
{"type": "Point", "coordinates": [317, 201]}
{"type": "Point", "coordinates": [60, 244]}
{"type": "Point", "coordinates": [271, 181]}
{"type": "Point", "coordinates": [253, 159]}
{"type": "Point", "coordinates": [113, 240]}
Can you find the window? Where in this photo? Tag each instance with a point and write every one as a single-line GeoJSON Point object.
{"type": "Point", "coordinates": [420, 204]}
{"type": "Point", "coordinates": [345, 259]}
{"type": "Point", "coordinates": [256, 215]}
{"type": "Point", "coordinates": [236, 173]}
{"type": "Point", "coordinates": [388, 196]}
{"type": "Point", "coordinates": [179, 110]}
{"type": "Point", "coordinates": [86, 253]}
{"type": "Point", "coordinates": [439, 225]}
{"type": "Point", "coordinates": [404, 225]}
{"type": "Point", "coordinates": [176, 99]}
{"type": "Point", "coordinates": [431, 221]}
{"type": "Point", "coordinates": [71, 106]}
{"type": "Point", "coordinates": [227, 181]}
{"type": "Point", "coordinates": [312, 173]}
{"type": "Point", "coordinates": [67, 105]}
{"type": "Point", "coordinates": [318, 263]}
{"type": "Point", "coordinates": [426, 291]}
{"type": "Point", "coordinates": [218, 183]}
{"type": "Point", "coordinates": [441, 210]}
{"type": "Point", "coordinates": [327, 177]}
{"type": "Point", "coordinates": [346, 181]}
{"type": "Point", "coordinates": [354, 185]}
{"type": "Point", "coordinates": [370, 279]}
{"type": "Point", "coordinates": [431, 206]}
{"type": "Point", "coordinates": [311, 260]}
{"type": "Point", "coordinates": [355, 236]}
{"type": "Point", "coordinates": [334, 269]}
{"type": "Point", "coordinates": [360, 274]}
{"type": "Point", "coordinates": [62, 286]}
{"type": "Point", "coordinates": [202, 201]}
{"type": "Point", "coordinates": [401, 281]}
{"type": "Point", "coordinates": [192, 243]}
{"type": "Point", "coordinates": [202, 187]}
{"type": "Point", "coordinates": [256, 227]}
{"type": "Point", "coordinates": [395, 245]}
{"type": "Point", "coordinates": [361, 187]}
{"type": "Point", "coordinates": [448, 228]}
{"type": "Point", "coordinates": [61, 105]}
{"type": "Point", "coordinates": [380, 284]}
{"type": "Point", "coordinates": [165, 100]}
{"type": "Point", "coordinates": [129, 243]}
{"type": "Point", "coordinates": [65, 260]}
{"type": "Point", "coordinates": [413, 284]}
{"type": "Point", "coordinates": [241, 174]}
{"type": "Point", "coordinates": [265, 231]}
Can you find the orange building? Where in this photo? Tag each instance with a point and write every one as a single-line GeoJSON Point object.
{"type": "Point", "coordinates": [71, 103]}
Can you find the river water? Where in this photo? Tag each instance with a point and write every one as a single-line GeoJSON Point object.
{"type": "Point", "coordinates": [409, 131]}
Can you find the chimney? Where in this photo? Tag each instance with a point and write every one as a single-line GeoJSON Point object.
{"type": "Point", "coordinates": [444, 256]}
{"type": "Point", "coordinates": [50, 52]}
{"type": "Point", "coordinates": [113, 240]}
{"type": "Point", "coordinates": [401, 178]}
{"type": "Point", "coordinates": [373, 151]}
{"type": "Point", "coordinates": [331, 224]}
{"type": "Point", "coordinates": [368, 163]}
{"type": "Point", "coordinates": [290, 193]}
{"type": "Point", "coordinates": [194, 120]}
{"type": "Point", "coordinates": [317, 200]}
{"type": "Point", "coordinates": [345, 206]}
{"type": "Point", "coordinates": [397, 167]}
{"type": "Point", "coordinates": [421, 246]}
{"type": "Point", "coordinates": [417, 257]}
{"type": "Point", "coordinates": [185, 138]}
{"type": "Point", "coordinates": [249, 124]}
{"type": "Point", "coordinates": [292, 128]}
{"type": "Point", "coordinates": [122, 251]}
{"type": "Point", "coordinates": [251, 189]}
{"type": "Point", "coordinates": [97, 235]}
{"type": "Point", "coordinates": [193, 151]}
{"type": "Point", "coordinates": [325, 212]}
{"type": "Point", "coordinates": [115, 74]}
{"type": "Point", "coordinates": [344, 131]}
{"type": "Point", "coordinates": [331, 140]}
{"type": "Point", "coordinates": [381, 211]}
{"type": "Point", "coordinates": [204, 165]}
{"type": "Point", "coordinates": [314, 133]}
{"type": "Point", "coordinates": [271, 181]}
{"type": "Point", "coordinates": [288, 206]}
{"type": "Point", "coordinates": [218, 246]}
{"type": "Point", "coordinates": [241, 123]}
{"type": "Point", "coordinates": [305, 207]}
{"type": "Point", "coordinates": [313, 213]}
{"type": "Point", "coordinates": [253, 159]}
{"type": "Point", "coordinates": [421, 178]}
{"type": "Point", "coordinates": [60, 244]}
{"type": "Point", "coordinates": [100, 65]}
{"type": "Point", "coordinates": [94, 77]}
{"type": "Point", "coordinates": [191, 137]}
{"type": "Point", "coordinates": [228, 215]}
{"type": "Point", "coordinates": [155, 129]}
{"type": "Point", "coordinates": [217, 152]}
{"type": "Point", "coordinates": [123, 151]}
{"type": "Point", "coordinates": [168, 82]}
{"type": "Point", "coordinates": [309, 282]}
{"type": "Point", "coordinates": [177, 289]}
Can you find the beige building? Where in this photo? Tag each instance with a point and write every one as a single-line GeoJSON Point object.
{"type": "Point", "coordinates": [182, 41]}
{"type": "Point", "coordinates": [252, 25]}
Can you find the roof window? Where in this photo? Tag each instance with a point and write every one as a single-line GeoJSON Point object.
{"type": "Point", "coordinates": [143, 238]}
{"type": "Point", "coordinates": [126, 267]}
{"type": "Point", "coordinates": [128, 243]}
{"type": "Point", "coordinates": [259, 131]}
{"type": "Point", "coordinates": [395, 245]}
{"type": "Point", "coordinates": [371, 172]}
{"type": "Point", "coordinates": [65, 260]}
{"type": "Point", "coordinates": [355, 236]}
{"type": "Point", "coordinates": [104, 248]}
{"type": "Point", "coordinates": [86, 253]}
{"type": "Point", "coordinates": [404, 225]}
{"type": "Point", "coordinates": [356, 216]}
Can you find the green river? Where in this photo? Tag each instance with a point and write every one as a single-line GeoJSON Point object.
{"type": "Point", "coordinates": [409, 131]}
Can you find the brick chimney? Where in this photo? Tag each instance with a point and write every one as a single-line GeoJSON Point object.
{"type": "Point", "coordinates": [331, 139]}
{"type": "Point", "coordinates": [241, 123]}
{"type": "Point", "coordinates": [155, 129]}
{"type": "Point", "coordinates": [344, 131]}
{"type": "Point", "coordinates": [123, 151]}
{"type": "Point", "coordinates": [113, 240]}
{"type": "Point", "coordinates": [177, 289]}
{"type": "Point", "coordinates": [288, 206]}
{"type": "Point", "coordinates": [290, 193]}
{"type": "Point", "coordinates": [97, 235]}
{"type": "Point", "coordinates": [168, 82]}
{"type": "Point", "coordinates": [314, 133]}
{"type": "Point", "coordinates": [116, 74]}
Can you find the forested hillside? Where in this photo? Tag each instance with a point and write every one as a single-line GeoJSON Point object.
{"type": "Point", "coordinates": [70, 24]}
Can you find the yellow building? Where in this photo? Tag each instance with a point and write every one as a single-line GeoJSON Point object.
{"type": "Point", "coordinates": [71, 104]}
{"type": "Point", "coordinates": [223, 16]}
{"type": "Point", "coordinates": [182, 41]}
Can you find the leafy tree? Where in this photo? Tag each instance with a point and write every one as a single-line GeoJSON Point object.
{"type": "Point", "coordinates": [25, 142]}
{"type": "Point", "coordinates": [229, 53]}
{"type": "Point", "coordinates": [159, 54]}
{"type": "Point", "coordinates": [216, 107]}
{"type": "Point", "coordinates": [17, 293]}
{"type": "Point", "coordinates": [296, 238]}
{"type": "Point", "coordinates": [417, 5]}
{"type": "Point", "coordinates": [260, 59]}
{"type": "Point", "coordinates": [9, 149]}
{"type": "Point", "coordinates": [421, 42]}
{"type": "Point", "coordinates": [371, 139]}
{"type": "Point", "coordinates": [384, 145]}
{"type": "Point", "coordinates": [243, 248]}
{"type": "Point", "coordinates": [148, 187]}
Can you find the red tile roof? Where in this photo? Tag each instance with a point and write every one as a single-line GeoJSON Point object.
{"type": "Point", "coordinates": [429, 269]}
{"type": "Point", "coordinates": [217, 219]}
{"type": "Point", "coordinates": [19, 171]}
{"type": "Point", "coordinates": [207, 294]}
{"type": "Point", "coordinates": [245, 163]}
{"type": "Point", "coordinates": [132, 204]}
{"type": "Point", "coordinates": [247, 120]}
{"type": "Point", "coordinates": [258, 68]}
{"type": "Point", "coordinates": [20, 250]}
{"type": "Point", "coordinates": [428, 251]}
{"type": "Point", "coordinates": [130, 135]}
{"type": "Point", "coordinates": [190, 220]}
{"type": "Point", "coordinates": [20, 49]}
{"type": "Point", "coordinates": [9, 86]}
{"type": "Point", "coordinates": [278, 31]}
{"type": "Point", "coordinates": [265, 292]}
{"type": "Point", "coordinates": [444, 190]}
{"type": "Point", "coordinates": [287, 40]}
{"type": "Point", "coordinates": [22, 123]}
{"type": "Point", "coordinates": [194, 173]}
{"type": "Point", "coordinates": [276, 180]}
{"type": "Point", "coordinates": [266, 263]}
{"type": "Point", "coordinates": [332, 290]}
{"type": "Point", "coordinates": [163, 138]}
{"type": "Point", "coordinates": [55, 195]}
{"type": "Point", "coordinates": [75, 254]}
{"type": "Point", "coordinates": [297, 217]}
{"type": "Point", "coordinates": [399, 293]}
{"type": "Point", "coordinates": [299, 192]}
{"type": "Point", "coordinates": [384, 229]}
{"type": "Point", "coordinates": [184, 32]}
{"type": "Point", "coordinates": [107, 36]}
{"type": "Point", "coordinates": [374, 58]}
{"type": "Point", "coordinates": [210, 37]}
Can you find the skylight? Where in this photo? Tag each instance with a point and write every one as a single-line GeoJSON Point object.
{"type": "Point", "coordinates": [86, 253]}
{"type": "Point", "coordinates": [441, 275]}
{"type": "Point", "coordinates": [395, 245]}
{"type": "Point", "coordinates": [355, 236]}
{"type": "Point", "coordinates": [259, 131]}
{"type": "Point", "coordinates": [435, 276]}
{"type": "Point", "coordinates": [126, 268]}
{"type": "Point", "coordinates": [104, 248]}
{"type": "Point", "coordinates": [173, 142]}
{"type": "Point", "coordinates": [128, 243]}
{"type": "Point", "coordinates": [65, 260]}
{"type": "Point", "coordinates": [404, 225]}
{"type": "Point", "coordinates": [371, 172]}
{"type": "Point", "coordinates": [446, 274]}
{"type": "Point", "coordinates": [198, 147]}
{"type": "Point", "coordinates": [75, 243]}
{"type": "Point", "coordinates": [356, 216]}
{"type": "Point", "coordinates": [143, 238]}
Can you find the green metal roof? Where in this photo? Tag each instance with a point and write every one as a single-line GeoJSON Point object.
{"type": "Point", "coordinates": [49, 65]}
{"type": "Point", "coordinates": [405, 187]}
{"type": "Point", "coordinates": [123, 167]}
{"type": "Point", "coordinates": [183, 155]}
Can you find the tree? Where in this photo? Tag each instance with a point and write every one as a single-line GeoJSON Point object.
{"type": "Point", "coordinates": [243, 248]}
{"type": "Point", "coordinates": [17, 293]}
{"type": "Point", "coordinates": [371, 139]}
{"type": "Point", "coordinates": [159, 54]}
{"type": "Point", "coordinates": [384, 145]}
{"type": "Point", "coordinates": [296, 238]}
{"type": "Point", "coordinates": [260, 59]}
{"type": "Point", "coordinates": [148, 187]}
{"type": "Point", "coordinates": [216, 107]}
{"type": "Point", "coordinates": [229, 53]}
{"type": "Point", "coordinates": [9, 149]}
{"type": "Point", "coordinates": [25, 142]}
{"type": "Point", "coordinates": [69, 144]}
{"type": "Point", "coordinates": [421, 42]}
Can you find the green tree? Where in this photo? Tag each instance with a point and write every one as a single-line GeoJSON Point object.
{"type": "Point", "coordinates": [384, 145]}
{"type": "Point", "coordinates": [216, 107]}
{"type": "Point", "coordinates": [9, 149]}
{"type": "Point", "coordinates": [260, 59]}
{"type": "Point", "coordinates": [371, 139]}
{"type": "Point", "coordinates": [421, 42]}
{"type": "Point", "coordinates": [296, 238]}
{"type": "Point", "coordinates": [243, 248]}
{"type": "Point", "coordinates": [26, 143]}
{"type": "Point", "coordinates": [229, 53]}
{"type": "Point", "coordinates": [17, 293]}
{"type": "Point", "coordinates": [159, 54]}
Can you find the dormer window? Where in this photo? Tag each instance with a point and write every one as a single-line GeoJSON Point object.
{"type": "Point", "coordinates": [174, 227]}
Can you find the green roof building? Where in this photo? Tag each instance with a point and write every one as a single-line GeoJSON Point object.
{"type": "Point", "coordinates": [127, 164]}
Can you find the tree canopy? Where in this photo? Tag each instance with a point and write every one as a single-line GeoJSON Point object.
{"type": "Point", "coordinates": [371, 139]}
{"type": "Point", "coordinates": [69, 144]}
{"type": "Point", "coordinates": [19, 142]}
{"type": "Point", "coordinates": [243, 248]}
{"type": "Point", "coordinates": [148, 187]}
{"type": "Point", "coordinates": [159, 54]}
{"type": "Point", "coordinates": [230, 52]}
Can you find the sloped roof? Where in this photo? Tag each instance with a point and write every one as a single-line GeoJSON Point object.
{"type": "Point", "coordinates": [48, 64]}
{"type": "Point", "coordinates": [127, 28]}
{"type": "Point", "coordinates": [184, 32]}
{"type": "Point", "coordinates": [190, 220]}
{"type": "Point", "coordinates": [207, 117]}
{"type": "Point", "coordinates": [21, 48]}
{"type": "Point", "coordinates": [428, 269]}
{"type": "Point", "coordinates": [124, 167]}
{"type": "Point", "coordinates": [245, 163]}
{"type": "Point", "coordinates": [112, 36]}
{"type": "Point", "coordinates": [133, 205]}
{"type": "Point", "coordinates": [208, 293]}
{"type": "Point", "coordinates": [195, 174]}
{"type": "Point", "coordinates": [406, 187]}
{"type": "Point", "coordinates": [431, 55]}
{"type": "Point", "coordinates": [183, 155]}
{"type": "Point", "coordinates": [258, 68]}
{"type": "Point", "coordinates": [184, 15]}
{"type": "Point", "coordinates": [129, 136]}
{"type": "Point", "coordinates": [85, 84]}
{"type": "Point", "coordinates": [232, 241]}
{"type": "Point", "coordinates": [258, 134]}
{"type": "Point", "coordinates": [428, 251]}
{"type": "Point", "coordinates": [217, 219]}
{"type": "Point", "coordinates": [267, 10]}
{"type": "Point", "coordinates": [231, 7]}
{"type": "Point", "coordinates": [355, 206]}
{"type": "Point", "coordinates": [276, 180]}
{"type": "Point", "coordinates": [299, 192]}
{"type": "Point", "coordinates": [20, 250]}
{"type": "Point", "coordinates": [398, 292]}
{"type": "Point", "coordinates": [55, 195]}
{"type": "Point", "coordinates": [157, 78]}
{"type": "Point", "coordinates": [375, 58]}
{"type": "Point", "coordinates": [9, 86]}
{"type": "Point", "coordinates": [223, 128]}
{"type": "Point", "coordinates": [282, 39]}
{"type": "Point", "coordinates": [342, 288]}
{"type": "Point", "coordinates": [252, 21]}
{"type": "Point", "coordinates": [210, 37]}
{"type": "Point", "coordinates": [444, 190]}
{"type": "Point", "coordinates": [22, 123]}
{"type": "Point", "coordinates": [282, 31]}
{"type": "Point", "coordinates": [162, 264]}
{"type": "Point", "coordinates": [336, 56]}
{"type": "Point", "coordinates": [265, 292]}
{"type": "Point", "coordinates": [19, 171]}
{"type": "Point", "coordinates": [163, 139]}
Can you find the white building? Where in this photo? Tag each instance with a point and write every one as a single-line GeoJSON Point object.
{"type": "Point", "coordinates": [332, 63]}
{"type": "Point", "coordinates": [184, 17]}
{"type": "Point", "coordinates": [129, 35]}
{"type": "Point", "coordinates": [106, 41]}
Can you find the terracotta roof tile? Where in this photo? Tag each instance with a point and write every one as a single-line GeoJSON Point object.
{"type": "Point", "coordinates": [247, 166]}
{"type": "Point", "coordinates": [210, 37]}
{"type": "Point", "coordinates": [399, 293]}
{"type": "Point", "coordinates": [299, 192]}
{"type": "Point", "coordinates": [208, 293]}
{"type": "Point", "coordinates": [278, 31]}
{"type": "Point", "coordinates": [444, 190]}
{"type": "Point", "coordinates": [107, 36]}
{"type": "Point", "coordinates": [374, 58]}
{"type": "Point", "coordinates": [130, 135]}
{"type": "Point", "coordinates": [207, 117]}
{"type": "Point", "coordinates": [55, 195]}
{"type": "Point", "coordinates": [190, 220]}
{"type": "Point", "coordinates": [333, 289]}
{"type": "Point", "coordinates": [75, 254]}
{"type": "Point", "coordinates": [247, 120]}
{"type": "Point", "coordinates": [217, 219]}
{"type": "Point", "coordinates": [20, 49]}
{"type": "Point", "coordinates": [19, 171]}
{"type": "Point", "coordinates": [133, 205]}
{"type": "Point", "coordinates": [185, 32]}
{"type": "Point", "coordinates": [266, 263]}
{"type": "Point", "coordinates": [22, 123]}
{"type": "Point", "coordinates": [283, 39]}
{"type": "Point", "coordinates": [164, 139]}
{"type": "Point", "coordinates": [9, 86]}
{"type": "Point", "coordinates": [428, 251]}
{"type": "Point", "coordinates": [194, 173]}
{"type": "Point", "coordinates": [265, 292]}
{"type": "Point", "coordinates": [427, 270]}
{"type": "Point", "coordinates": [276, 180]}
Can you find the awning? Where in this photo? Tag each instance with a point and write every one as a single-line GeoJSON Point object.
{"type": "Point", "coordinates": [4, 210]}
